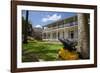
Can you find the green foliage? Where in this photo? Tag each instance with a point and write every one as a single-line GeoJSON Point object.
{"type": "Point", "coordinates": [29, 28]}
{"type": "Point", "coordinates": [72, 19]}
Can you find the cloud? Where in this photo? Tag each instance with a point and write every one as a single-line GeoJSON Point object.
{"type": "Point", "coordinates": [38, 26]}
{"type": "Point", "coordinates": [53, 17]}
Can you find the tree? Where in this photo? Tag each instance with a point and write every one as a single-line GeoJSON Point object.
{"type": "Point", "coordinates": [83, 35]}
{"type": "Point", "coordinates": [25, 29]}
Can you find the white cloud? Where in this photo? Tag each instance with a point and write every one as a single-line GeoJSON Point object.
{"type": "Point", "coordinates": [38, 26]}
{"type": "Point", "coordinates": [53, 17]}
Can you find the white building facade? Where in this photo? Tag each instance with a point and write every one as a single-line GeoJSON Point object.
{"type": "Point", "coordinates": [66, 29]}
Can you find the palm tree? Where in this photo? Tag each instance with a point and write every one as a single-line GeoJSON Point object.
{"type": "Point", "coordinates": [83, 35]}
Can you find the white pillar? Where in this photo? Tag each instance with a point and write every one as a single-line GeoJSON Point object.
{"type": "Point", "coordinates": [57, 34]}
{"type": "Point", "coordinates": [46, 35]}
{"type": "Point", "coordinates": [51, 35]}
{"type": "Point", "coordinates": [42, 35]}
{"type": "Point", "coordinates": [66, 33]}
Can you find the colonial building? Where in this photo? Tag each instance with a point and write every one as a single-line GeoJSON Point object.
{"type": "Point", "coordinates": [65, 28]}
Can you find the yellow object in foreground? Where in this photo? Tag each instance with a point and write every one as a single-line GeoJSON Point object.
{"type": "Point", "coordinates": [68, 55]}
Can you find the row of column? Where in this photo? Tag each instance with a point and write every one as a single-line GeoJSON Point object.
{"type": "Point", "coordinates": [64, 33]}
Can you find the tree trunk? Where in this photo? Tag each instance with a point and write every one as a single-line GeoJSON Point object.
{"type": "Point", "coordinates": [26, 28]}
{"type": "Point", "coordinates": [83, 35]}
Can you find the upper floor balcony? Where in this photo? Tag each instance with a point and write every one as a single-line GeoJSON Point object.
{"type": "Point", "coordinates": [60, 26]}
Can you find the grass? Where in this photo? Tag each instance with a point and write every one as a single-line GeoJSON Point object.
{"type": "Point", "coordinates": [35, 50]}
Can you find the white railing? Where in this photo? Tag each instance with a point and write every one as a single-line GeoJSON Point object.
{"type": "Point", "coordinates": [59, 28]}
{"type": "Point", "coordinates": [62, 26]}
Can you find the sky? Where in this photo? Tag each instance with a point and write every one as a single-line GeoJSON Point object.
{"type": "Point", "coordinates": [41, 18]}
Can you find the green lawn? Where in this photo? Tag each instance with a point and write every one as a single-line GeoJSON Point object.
{"type": "Point", "coordinates": [40, 50]}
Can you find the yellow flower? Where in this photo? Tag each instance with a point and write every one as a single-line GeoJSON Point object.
{"type": "Point", "coordinates": [68, 55]}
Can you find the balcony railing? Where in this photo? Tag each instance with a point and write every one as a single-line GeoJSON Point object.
{"type": "Point", "coordinates": [62, 26]}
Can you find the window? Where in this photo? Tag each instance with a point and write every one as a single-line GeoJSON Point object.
{"type": "Point", "coordinates": [72, 34]}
